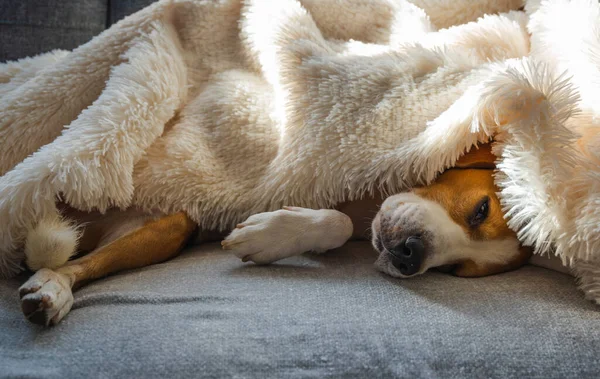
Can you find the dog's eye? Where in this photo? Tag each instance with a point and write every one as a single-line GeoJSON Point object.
{"type": "Point", "coordinates": [480, 213]}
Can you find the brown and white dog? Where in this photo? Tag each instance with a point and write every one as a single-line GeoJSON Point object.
{"type": "Point", "coordinates": [455, 223]}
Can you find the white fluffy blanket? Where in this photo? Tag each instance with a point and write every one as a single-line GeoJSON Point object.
{"type": "Point", "coordinates": [224, 109]}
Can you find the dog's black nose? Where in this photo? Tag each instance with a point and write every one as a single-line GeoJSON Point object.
{"type": "Point", "coordinates": [408, 255]}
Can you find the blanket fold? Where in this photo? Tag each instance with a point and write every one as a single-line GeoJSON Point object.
{"type": "Point", "coordinates": [231, 108]}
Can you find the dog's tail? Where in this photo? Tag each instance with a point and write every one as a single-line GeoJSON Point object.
{"type": "Point", "coordinates": [50, 244]}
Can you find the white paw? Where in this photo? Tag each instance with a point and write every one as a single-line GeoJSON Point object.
{"type": "Point", "coordinates": [46, 297]}
{"type": "Point", "coordinates": [270, 236]}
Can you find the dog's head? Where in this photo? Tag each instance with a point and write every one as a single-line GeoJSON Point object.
{"type": "Point", "coordinates": [455, 224]}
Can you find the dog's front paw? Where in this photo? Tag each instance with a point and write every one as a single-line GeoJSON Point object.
{"type": "Point", "coordinates": [267, 237]}
{"type": "Point", "coordinates": [46, 297]}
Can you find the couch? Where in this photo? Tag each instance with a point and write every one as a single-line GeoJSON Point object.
{"type": "Point", "coordinates": [207, 314]}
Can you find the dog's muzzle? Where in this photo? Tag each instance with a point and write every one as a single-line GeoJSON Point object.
{"type": "Point", "coordinates": [403, 234]}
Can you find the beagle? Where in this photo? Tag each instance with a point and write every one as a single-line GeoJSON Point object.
{"type": "Point", "coordinates": [455, 224]}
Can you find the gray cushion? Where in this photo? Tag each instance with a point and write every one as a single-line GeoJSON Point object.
{"type": "Point", "coordinates": [121, 8]}
{"type": "Point", "coordinates": [206, 314]}
{"type": "Point", "coordinates": [36, 26]}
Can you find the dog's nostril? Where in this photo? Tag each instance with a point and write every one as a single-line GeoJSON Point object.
{"type": "Point", "coordinates": [404, 268]}
{"type": "Point", "coordinates": [414, 244]}
{"type": "Point", "coordinates": [408, 256]}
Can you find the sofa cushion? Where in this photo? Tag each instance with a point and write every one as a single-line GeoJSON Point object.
{"type": "Point", "coordinates": [206, 314]}
{"type": "Point", "coordinates": [121, 8]}
{"type": "Point", "coordinates": [36, 26]}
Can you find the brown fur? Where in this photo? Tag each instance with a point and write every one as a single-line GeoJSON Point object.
{"type": "Point", "coordinates": [157, 241]}
{"type": "Point", "coordinates": [47, 296]}
{"type": "Point", "coordinates": [459, 190]}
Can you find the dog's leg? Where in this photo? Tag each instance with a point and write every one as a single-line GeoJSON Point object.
{"type": "Point", "coordinates": [47, 296]}
{"type": "Point", "coordinates": [270, 236]}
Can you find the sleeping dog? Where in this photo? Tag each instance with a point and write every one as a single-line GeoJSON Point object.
{"type": "Point", "coordinates": [455, 224]}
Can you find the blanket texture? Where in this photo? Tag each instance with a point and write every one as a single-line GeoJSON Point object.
{"type": "Point", "coordinates": [225, 109]}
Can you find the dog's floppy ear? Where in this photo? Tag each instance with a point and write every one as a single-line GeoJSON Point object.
{"type": "Point", "coordinates": [478, 157]}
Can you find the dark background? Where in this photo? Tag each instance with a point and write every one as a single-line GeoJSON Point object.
{"type": "Point", "coordinates": [29, 27]}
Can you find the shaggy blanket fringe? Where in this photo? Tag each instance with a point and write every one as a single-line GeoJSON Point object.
{"type": "Point", "coordinates": [225, 109]}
